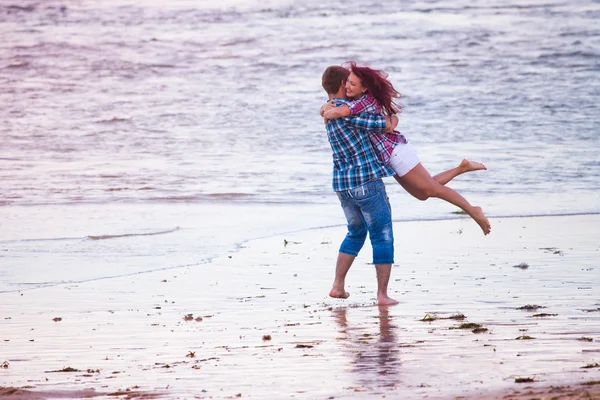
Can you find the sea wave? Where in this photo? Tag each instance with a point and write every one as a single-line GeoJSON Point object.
{"type": "Point", "coordinates": [112, 103]}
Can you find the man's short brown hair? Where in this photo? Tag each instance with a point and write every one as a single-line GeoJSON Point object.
{"type": "Point", "coordinates": [333, 77]}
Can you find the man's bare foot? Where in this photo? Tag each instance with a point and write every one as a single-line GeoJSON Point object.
{"type": "Point", "coordinates": [481, 220]}
{"type": "Point", "coordinates": [386, 301]}
{"type": "Point", "coordinates": [337, 293]}
{"type": "Point", "coordinates": [468, 166]}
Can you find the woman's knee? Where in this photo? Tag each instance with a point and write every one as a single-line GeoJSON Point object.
{"type": "Point", "coordinates": [420, 189]}
{"type": "Point", "coordinates": [430, 189]}
{"type": "Point", "coordinates": [420, 195]}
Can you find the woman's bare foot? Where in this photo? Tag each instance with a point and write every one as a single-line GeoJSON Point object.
{"type": "Point", "coordinates": [479, 217]}
{"type": "Point", "coordinates": [386, 301]}
{"type": "Point", "coordinates": [338, 293]}
{"type": "Point", "coordinates": [468, 166]}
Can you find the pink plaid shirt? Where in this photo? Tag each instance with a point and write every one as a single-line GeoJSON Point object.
{"type": "Point", "coordinates": [383, 143]}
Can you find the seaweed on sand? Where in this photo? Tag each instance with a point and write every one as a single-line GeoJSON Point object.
{"type": "Point", "coordinates": [524, 380]}
{"type": "Point", "coordinates": [530, 307]}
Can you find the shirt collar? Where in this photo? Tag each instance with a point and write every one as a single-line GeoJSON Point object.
{"type": "Point", "coordinates": [339, 99]}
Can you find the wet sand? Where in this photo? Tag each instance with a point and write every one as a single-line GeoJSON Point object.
{"type": "Point", "coordinates": [257, 322]}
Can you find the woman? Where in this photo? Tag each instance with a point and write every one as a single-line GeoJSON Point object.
{"type": "Point", "coordinates": [375, 94]}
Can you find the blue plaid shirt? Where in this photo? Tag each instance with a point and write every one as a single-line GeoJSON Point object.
{"type": "Point", "coordinates": [354, 159]}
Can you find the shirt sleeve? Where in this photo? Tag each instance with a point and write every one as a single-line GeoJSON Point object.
{"type": "Point", "coordinates": [371, 123]}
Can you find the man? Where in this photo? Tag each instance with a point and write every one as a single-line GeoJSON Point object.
{"type": "Point", "coordinates": [357, 174]}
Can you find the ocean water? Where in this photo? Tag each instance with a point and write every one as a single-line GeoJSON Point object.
{"type": "Point", "coordinates": [174, 131]}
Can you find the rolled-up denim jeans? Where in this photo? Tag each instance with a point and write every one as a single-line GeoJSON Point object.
{"type": "Point", "coordinates": [367, 209]}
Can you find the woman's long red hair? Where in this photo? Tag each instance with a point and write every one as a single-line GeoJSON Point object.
{"type": "Point", "coordinates": [375, 81]}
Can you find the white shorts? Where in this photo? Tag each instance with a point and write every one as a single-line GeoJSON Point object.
{"type": "Point", "coordinates": [403, 159]}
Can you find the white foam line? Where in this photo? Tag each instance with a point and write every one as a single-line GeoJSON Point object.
{"type": "Point", "coordinates": [92, 237]}
{"type": "Point", "coordinates": [104, 237]}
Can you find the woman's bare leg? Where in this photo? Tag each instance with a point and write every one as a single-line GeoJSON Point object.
{"type": "Point", "coordinates": [422, 186]}
{"type": "Point", "coordinates": [465, 166]}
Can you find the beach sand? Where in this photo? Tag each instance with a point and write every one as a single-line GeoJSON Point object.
{"type": "Point", "coordinates": [257, 323]}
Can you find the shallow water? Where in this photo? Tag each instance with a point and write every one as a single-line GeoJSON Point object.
{"type": "Point", "coordinates": [131, 332]}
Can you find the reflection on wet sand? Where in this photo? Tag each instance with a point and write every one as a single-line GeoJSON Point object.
{"type": "Point", "coordinates": [374, 357]}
